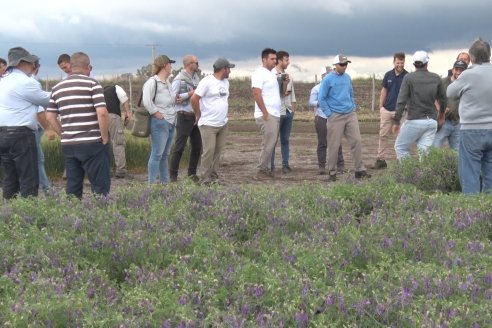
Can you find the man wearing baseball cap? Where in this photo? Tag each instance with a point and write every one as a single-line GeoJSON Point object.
{"type": "Point", "coordinates": [419, 92]}
{"type": "Point", "coordinates": [336, 100]}
{"type": "Point", "coordinates": [20, 98]}
{"type": "Point", "coordinates": [449, 121]}
{"type": "Point", "coordinates": [210, 105]}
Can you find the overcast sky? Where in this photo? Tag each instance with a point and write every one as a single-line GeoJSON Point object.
{"type": "Point", "coordinates": [118, 35]}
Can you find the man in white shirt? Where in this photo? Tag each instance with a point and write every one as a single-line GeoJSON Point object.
{"type": "Point", "coordinates": [266, 93]}
{"type": "Point", "coordinates": [20, 98]}
{"type": "Point", "coordinates": [210, 105]}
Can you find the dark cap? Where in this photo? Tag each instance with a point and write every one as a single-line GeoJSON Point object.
{"type": "Point", "coordinates": [162, 60]}
{"type": "Point", "coordinates": [460, 64]}
{"type": "Point", "coordinates": [223, 63]}
{"type": "Point", "coordinates": [18, 54]}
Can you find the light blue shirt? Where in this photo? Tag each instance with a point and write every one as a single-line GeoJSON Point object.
{"type": "Point", "coordinates": [313, 101]}
{"type": "Point", "coordinates": [336, 94]}
{"type": "Point", "coordinates": [20, 98]}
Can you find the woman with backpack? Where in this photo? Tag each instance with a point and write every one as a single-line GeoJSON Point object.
{"type": "Point", "coordinates": [159, 99]}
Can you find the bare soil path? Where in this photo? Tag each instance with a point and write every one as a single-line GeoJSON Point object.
{"type": "Point", "coordinates": [243, 145]}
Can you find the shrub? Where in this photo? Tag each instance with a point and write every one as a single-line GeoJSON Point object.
{"type": "Point", "coordinates": [436, 171]}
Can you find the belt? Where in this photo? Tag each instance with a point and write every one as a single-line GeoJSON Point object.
{"type": "Point", "coordinates": [15, 129]}
{"type": "Point", "coordinates": [182, 112]}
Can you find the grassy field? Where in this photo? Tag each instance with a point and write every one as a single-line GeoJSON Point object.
{"type": "Point", "coordinates": [376, 254]}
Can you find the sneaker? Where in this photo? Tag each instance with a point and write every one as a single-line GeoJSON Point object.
{"type": "Point", "coordinates": [332, 178]}
{"type": "Point", "coordinates": [380, 164]}
{"type": "Point", "coordinates": [362, 175]}
{"type": "Point", "coordinates": [286, 170]}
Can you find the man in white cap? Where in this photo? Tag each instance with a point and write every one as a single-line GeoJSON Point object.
{"type": "Point", "coordinates": [336, 100]}
{"type": "Point", "coordinates": [418, 94]}
{"type": "Point", "coordinates": [210, 105]}
{"type": "Point", "coordinates": [20, 98]}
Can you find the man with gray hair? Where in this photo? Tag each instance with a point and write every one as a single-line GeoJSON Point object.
{"type": "Point", "coordinates": [20, 98]}
{"type": "Point", "coordinates": [184, 85]}
{"type": "Point", "coordinates": [475, 150]}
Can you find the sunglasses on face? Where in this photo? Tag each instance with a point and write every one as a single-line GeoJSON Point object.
{"type": "Point", "coordinates": [343, 64]}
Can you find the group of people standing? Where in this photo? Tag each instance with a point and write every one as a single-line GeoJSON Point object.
{"type": "Point", "coordinates": [87, 117]}
{"type": "Point", "coordinates": [455, 108]}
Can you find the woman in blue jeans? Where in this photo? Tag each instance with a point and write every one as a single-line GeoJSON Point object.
{"type": "Point", "coordinates": [159, 99]}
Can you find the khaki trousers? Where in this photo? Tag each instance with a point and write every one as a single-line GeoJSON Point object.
{"type": "Point", "coordinates": [269, 135]}
{"type": "Point", "coordinates": [213, 141]}
{"type": "Point", "coordinates": [347, 125]}
{"type": "Point", "coordinates": [117, 136]}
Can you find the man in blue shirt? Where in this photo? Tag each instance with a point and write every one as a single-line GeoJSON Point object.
{"type": "Point", "coordinates": [336, 100]}
{"type": "Point", "coordinates": [387, 103]}
{"type": "Point", "coordinates": [20, 97]}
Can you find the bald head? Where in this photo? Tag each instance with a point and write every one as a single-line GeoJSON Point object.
{"type": "Point", "coordinates": [80, 63]}
{"type": "Point", "coordinates": [190, 63]}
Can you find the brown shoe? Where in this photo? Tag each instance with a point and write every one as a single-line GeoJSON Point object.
{"type": "Point", "coordinates": [379, 164]}
{"type": "Point", "coordinates": [264, 175]}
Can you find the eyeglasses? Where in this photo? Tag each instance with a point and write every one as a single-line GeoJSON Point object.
{"type": "Point", "coordinates": [343, 64]}
{"type": "Point", "coordinates": [194, 63]}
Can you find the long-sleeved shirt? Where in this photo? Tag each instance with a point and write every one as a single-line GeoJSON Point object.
{"type": "Point", "coordinates": [418, 93]}
{"type": "Point", "coordinates": [164, 101]}
{"type": "Point", "coordinates": [336, 94]}
{"type": "Point", "coordinates": [473, 89]}
{"type": "Point", "coordinates": [20, 98]}
{"type": "Point", "coordinates": [313, 101]}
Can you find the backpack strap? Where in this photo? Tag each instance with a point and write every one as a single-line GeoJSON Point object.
{"type": "Point", "coordinates": [139, 104]}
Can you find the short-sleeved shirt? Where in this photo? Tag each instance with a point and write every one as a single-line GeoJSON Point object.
{"type": "Point", "coordinates": [266, 80]}
{"type": "Point", "coordinates": [75, 100]}
{"type": "Point", "coordinates": [214, 104]}
{"type": "Point", "coordinates": [392, 83]}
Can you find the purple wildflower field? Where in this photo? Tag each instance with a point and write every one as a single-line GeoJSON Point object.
{"type": "Point", "coordinates": [372, 254]}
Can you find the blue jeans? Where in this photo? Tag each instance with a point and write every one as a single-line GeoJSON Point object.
{"type": "Point", "coordinates": [420, 131]}
{"type": "Point", "coordinates": [284, 132]}
{"type": "Point", "coordinates": [475, 159]}
{"type": "Point", "coordinates": [44, 181]}
{"type": "Point", "coordinates": [161, 139]}
{"type": "Point", "coordinates": [92, 159]}
{"type": "Point", "coordinates": [450, 132]}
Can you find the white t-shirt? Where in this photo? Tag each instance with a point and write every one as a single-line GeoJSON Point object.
{"type": "Point", "coordinates": [267, 81]}
{"type": "Point", "coordinates": [214, 101]}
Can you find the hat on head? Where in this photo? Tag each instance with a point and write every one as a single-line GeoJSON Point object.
{"type": "Point", "coordinates": [460, 64]}
{"type": "Point", "coordinates": [223, 63]}
{"type": "Point", "coordinates": [18, 54]}
{"type": "Point", "coordinates": [340, 59]}
{"type": "Point", "coordinates": [420, 56]}
{"type": "Point", "coordinates": [162, 60]}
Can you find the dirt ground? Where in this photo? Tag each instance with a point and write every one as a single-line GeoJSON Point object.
{"type": "Point", "coordinates": [240, 157]}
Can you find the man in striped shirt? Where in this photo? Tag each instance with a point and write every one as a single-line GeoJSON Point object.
{"type": "Point", "coordinates": [79, 100]}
